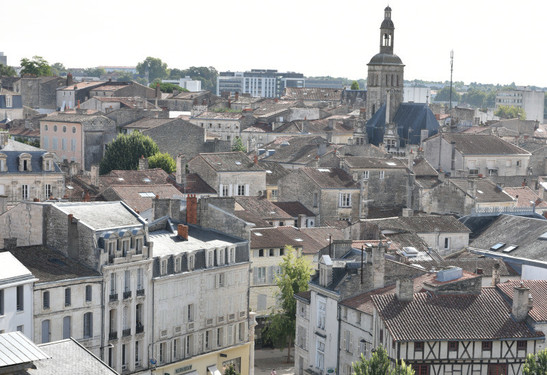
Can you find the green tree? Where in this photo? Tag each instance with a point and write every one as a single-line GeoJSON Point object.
{"type": "Point", "coordinates": [163, 161]}
{"type": "Point", "coordinates": [7, 71]}
{"type": "Point", "coordinates": [124, 152]}
{"type": "Point", "coordinates": [443, 95]}
{"type": "Point", "coordinates": [176, 74]}
{"type": "Point", "coordinates": [293, 279]}
{"type": "Point", "coordinates": [94, 72]}
{"type": "Point", "coordinates": [36, 66]}
{"type": "Point", "coordinates": [474, 97]}
{"type": "Point", "coordinates": [380, 364]}
{"type": "Point", "coordinates": [536, 364]}
{"type": "Point", "coordinates": [167, 87]}
{"type": "Point", "coordinates": [124, 76]}
{"type": "Point", "coordinates": [154, 68]}
{"type": "Point", "coordinates": [355, 85]}
{"type": "Point", "coordinates": [230, 370]}
{"type": "Point", "coordinates": [207, 76]}
{"type": "Point", "coordinates": [238, 145]}
{"type": "Point", "coordinates": [505, 111]}
{"type": "Point", "coordinates": [58, 69]}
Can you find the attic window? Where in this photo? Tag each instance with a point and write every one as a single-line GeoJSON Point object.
{"type": "Point", "coordinates": [497, 246]}
{"type": "Point", "coordinates": [508, 249]}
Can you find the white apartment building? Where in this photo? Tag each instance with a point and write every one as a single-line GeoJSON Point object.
{"type": "Point", "coordinates": [16, 283]}
{"type": "Point", "coordinates": [531, 101]}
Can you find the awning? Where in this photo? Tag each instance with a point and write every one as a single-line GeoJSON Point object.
{"type": "Point", "coordinates": [213, 370]}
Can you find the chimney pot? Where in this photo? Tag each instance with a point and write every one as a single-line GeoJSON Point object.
{"type": "Point", "coordinates": [192, 209]}
{"type": "Point", "coordinates": [182, 232]}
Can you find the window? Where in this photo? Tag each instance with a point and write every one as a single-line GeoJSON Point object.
{"type": "Point", "coordinates": [363, 347]}
{"type": "Point", "coordinates": [419, 346]}
{"type": "Point", "coordinates": [261, 274]}
{"type": "Point", "coordinates": [88, 293]}
{"type": "Point", "coordinates": [1, 301]}
{"type": "Point", "coordinates": [344, 200]}
{"type": "Point", "coordinates": [67, 296]}
{"type": "Point", "coordinates": [48, 191]}
{"type": "Point", "coordinates": [63, 144]}
{"type": "Point", "coordinates": [220, 279]}
{"type": "Point", "coordinates": [8, 101]}
{"type": "Point", "coordinates": [447, 243]}
{"type": "Point", "coordinates": [315, 199]}
{"type": "Point", "coordinates": [191, 262]}
{"type": "Point", "coordinates": [55, 128]}
{"type": "Point", "coordinates": [163, 266]}
{"type": "Point", "coordinates": [348, 342]}
{"type": "Point", "coordinates": [420, 369]}
{"type": "Point", "coordinates": [20, 298]}
{"type": "Point", "coordinates": [67, 332]}
{"type": "Point", "coordinates": [487, 346]}
{"type": "Point", "coordinates": [177, 264]}
{"type": "Point", "coordinates": [190, 312]}
{"type": "Point", "coordinates": [452, 346]}
{"type": "Point", "coordinates": [176, 346]}
{"type": "Point", "coordinates": [139, 279]}
{"type": "Point", "coordinates": [473, 171]}
{"type": "Point", "coordinates": [46, 334]}
{"type": "Point", "coordinates": [518, 163]}
{"type": "Point", "coordinates": [240, 189]}
{"type": "Point", "coordinates": [522, 344]}
{"type": "Point", "coordinates": [207, 340]}
{"type": "Point", "coordinates": [365, 175]}
{"type": "Point", "coordinates": [21, 328]}
{"type": "Point", "coordinates": [45, 300]}
{"type": "Point", "coordinates": [73, 129]}
{"type": "Point", "coordinates": [210, 258]}
{"type": "Point", "coordinates": [88, 325]}
{"type": "Point", "coordinates": [113, 284]}
{"type": "Point", "coordinates": [188, 345]}
{"type": "Point", "coordinates": [220, 257]}
{"type": "Point", "coordinates": [54, 143]}
{"type": "Point", "coordinates": [320, 354]}
{"type": "Point", "coordinates": [321, 312]}
{"type": "Point", "coordinates": [496, 369]}
{"type": "Point", "coordinates": [261, 302]}
{"type": "Point", "coordinates": [163, 350]}
{"type": "Point", "coordinates": [220, 336]}
{"type": "Point", "coordinates": [24, 192]}
{"type": "Point", "coordinates": [241, 333]}
{"type": "Point", "coordinates": [127, 283]}
{"type": "Point", "coordinates": [137, 354]}
{"type": "Point", "coordinates": [231, 255]}
{"type": "Point", "coordinates": [124, 356]}
{"type": "Point", "coordinates": [382, 175]}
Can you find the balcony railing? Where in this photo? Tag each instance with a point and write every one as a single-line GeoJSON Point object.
{"type": "Point", "coordinates": [114, 297]}
{"type": "Point", "coordinates": [113, 336]}
{"type": "Point", "coordinates": [126, 332]}
{"type": "Point", "coordinates": [140, 292]}
{"type": "Point", "coordinates": [127, 294]}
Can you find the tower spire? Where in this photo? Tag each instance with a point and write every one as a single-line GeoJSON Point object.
{"type": "Point", "coordinates": [387, 32]}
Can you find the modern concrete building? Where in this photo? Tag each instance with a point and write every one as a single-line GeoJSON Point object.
{"type": "Point", "coordinates": [266, 83]}
{"type": "Point", "coordinates": [532, 101]}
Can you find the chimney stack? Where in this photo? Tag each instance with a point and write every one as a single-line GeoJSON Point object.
{"type": "Point", "coordinates": [182, 232]}
{"type": "Point", "coordinates": [378, 266]}
{"type": "Point", "coordinates": [143, 163]}
{"type": "Point", "coordinates": [192, 209]}
{"type": "Point", "coordinates": [94, 175]}
{"type": "Point", "coordinates": [301, 221]}
{"type": "Point", "coordinates": [522, 302]}
{"type": "Point", "coordinates": [178, 170]}
{"type": "Point", "coordinates": [69, 81]}
{"type": "Point", "coordinates": [496, 274]}
{"type": "Point", "coordinates": [404, 290]}
{"type": "Point", "coordinates": [237, 96]}
{"type": "Point", "coordinates": [255, 159]}
{"type": "Point", "coordinates": [158, 91]}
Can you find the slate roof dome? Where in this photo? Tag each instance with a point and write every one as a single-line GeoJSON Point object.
{"type": "Point", "coordinates": [387, 24]}
{"type": "Point", "coordinates": [385, 59]}
{"type": "Point", "coordinates": [388, 9]}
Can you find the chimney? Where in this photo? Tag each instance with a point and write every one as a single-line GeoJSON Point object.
{"type": "Point", "coordinates": [472, 187]}
{"type": "Point", "coordinates": [182, 232]}
{"type": "Point", "coordinates": [404, 290]}
{"type": "Point", "coordinates": [522, 302]}
{"type": "Point", "coordinates": [301, 221]}
{"type": "Point", "coordinates": [143, 163]}
{"type": "Point", "coordinates": [325, 271]}
{"type": "Point", "coordinates": [453, 158]}
{"type": "Point", "coordinates": [78, 104]}
{"type": "Point", "coordinates": [87, 197]}
{"type": "Point", "coordinates": [3, 203]}
{"type": "Point", "coordinates": [192, 209]}
{"type": "Point", "coordinates": [69, 81]}
{"type": "Point", "coordinates": [94, 175]}
{"type": "Point", "coordinates": [179, 171]}
{"type": "Point", "coordinates": [496, 274]}
{"type": "Point", "coordinates": [237, 96]}
{"type": "Point", "coordinates": [255, 159]}
{"type": "Point", "coordinates": [158, 91]}
{"type": "Point", "coordinates": [378, 265]}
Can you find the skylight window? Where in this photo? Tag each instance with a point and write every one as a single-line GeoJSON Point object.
{"type": "Point", "coordinates": [497, 246]}
{"type": "Point", "coordinates": [480, 191]}
{"type": "Point", "coordinates": [299, 239]}
{"type": "Point", "coordinates": [508, 249]}
{"type": "Point", "coordinates": [146, 179]}
{"type": "Point", "coordinates": [258, 234]}
{"type": "Point", "coordinates": [391, 163]}
{"type": "Point", "coordinates": [268, 171]}
{"type": "Point", "coordinates": [120, 178]}
{"type": "Point", "coordinates": [147, 195]}
{"type": "Point", "coordinates": [323, 170]}
{"type": "Point", "coordinates": [238, 163]}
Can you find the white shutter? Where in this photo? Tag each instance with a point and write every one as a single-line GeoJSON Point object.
{"type": "Point", "coordinates": [247, 190]}
{"type": "Point", "coordinates": [220, 190]}
{"type": "Point", "coordinates": [230, 191]}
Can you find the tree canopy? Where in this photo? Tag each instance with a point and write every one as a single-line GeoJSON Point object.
{"type": "Point", "coordinates": [58, 69]}
{"type": "Point", "coordinates": [505, 111]}
{"type": "Point", "coordinates": [355, 85]}
{"type": "Point", "coordinates": [163, 161]}
{"type": "Point", "coordinates": [167, 87]}
{"type": "Point", "coordinates": [7, 71]}
{"type": "Point", "coordinates": [536, 364]}
{"type": "Point", "coordinates": [443, 95]}
{"type": "Point", "coordinates": [207, 76]}
{"type": "Point", "coordinates": [238, 145]}
{"type": "Point", "coordinates": [154, 67]}
{"type": "Point", "coordinates": [380, 364]}
{"type": "Point", "coordinates": [293, 279]}
{"type": "Point", "coordinates": [230, 370]}
{"type": "Point", "coordinates": [124, 152]}
{"type": "Point", "coordinates": [94, 72]}
{"type": "Point", "coordinates": [36, 66]}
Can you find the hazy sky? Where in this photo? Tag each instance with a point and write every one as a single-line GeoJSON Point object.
{"type": "Point", "coordinates": [494, 41]}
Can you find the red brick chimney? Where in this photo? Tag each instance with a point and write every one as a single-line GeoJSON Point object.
{"type": "Point", "coordinates": [182, 232]}
{"type": "Point", "coordinates": [192, 209]}
{"type": "Point", "coordinates": [256, 159]}
{"type": "Point", "coordinates": [237, 96]}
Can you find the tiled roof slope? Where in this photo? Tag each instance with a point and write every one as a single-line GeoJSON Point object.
{"type": "Point", "coordinates": [485, 316]}
{"type": "Point", "coordinates": [487, 191]}
{"type": "Point", "coordinates": [482, 144]}
{"type": "Point", "coordinates": [374, 163]}
{"type": "Point", "coordinates": [230, 162]}
{"type": "Point", "coordinates": [538, 289]}
{"type": "Point", "coordinates": [330, 178]}
{"type": "Point", "coordinates": [262, 207]}
{"type": "Point", "coordinates": [421, 224]}
{"type": "Point", "coordinates": [312, 93]}
{"type": "Point", "coordinates": [294, 208]}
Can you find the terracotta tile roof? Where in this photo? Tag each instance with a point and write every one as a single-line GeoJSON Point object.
{"type": "Point", "coordinates": [316, 238]}
{"type": "Point", "coordinates": [268, 108]}
{"type": "Point", "coordinates": [194, 185]}
{"type": "Point", "coordinates": [427, 317]}
{"type": "Point", "coordinates": [538, 289]}
{"type": "Point", "coordinates": [330, 178]}
{"type": "Point", "coordinates": [209, 115]}
{"type": "Point", "coordinates": [262, 208]}
{"type": "Point", "coordinates": [134, 177]}
{"type": "Point", "coordinates": [235, 161]}
{"type": "Point", "coordinates": [148, 123]}
{"type": "Point", "coordinates": [253, 218]}
{"type": "Point", "coordinates": [82, 85]}
{"type": "Point", "coordinates": [139, 198]}
{"type": "Point", "coordinates": [312, 93]}
{"type": "Point", "coordinates": [274, 171]}
{"type": "Point", "coordinates": [271, 237]}
{"type": "Point", "coordinates": [524, 196]}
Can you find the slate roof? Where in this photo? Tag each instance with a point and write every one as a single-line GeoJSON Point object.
{"type": "Point", "coordinates": [320, 126]}
{"type": "Point", "coordinates": [422, 224]}
{"type": "Point", "coordinates": [272, 237]}
{"type": "Point", "coordinates": [487, 191]}
{"type": "Point", "coordinates": [471, 264]}
{"type": "Point", "coordinates": [538, 289]}
{"type": "Point", "coordinates": [210, 115]}
{"type": "Point", "coordinates": [148, 123]}
{"type": "Point", "coordinates": [14, 145]}
{"type": "Point", "coordinates": [385, 58]}
{"type": "Point", "coordinates": [363, 162]}
{"type": "Point", "coordinates": [482, 144]}
{"type": "Point", "coordinates": [68, 357]}
{"type": "Point", "coordinates": [312, 93]}
{"type": "Point", "coordinates": [422, 168]}
{"type": "Point", "coordinates": [274, 171]}
{"type": "Point", "coordinates": [294, 208]}
{"type": "Point", "coordinates": [262, 207]}
{"type": "Point", "coordinates": [296, 150]}
{"type": "Point", "coordinates": [35, 162]}
{"type": "Point", "coordinates": [411, 119]}
{"type": "Point", "coordinates": [524, 195]}
{"type": "Point", "coordinates": [516, 230]}
{"type": "Point", "coordinates": [100, 215]}
{"type": "Point", "coordinates": [51, 265]}
{"type": "Point", "coordinates": [485, 316]}
{"type": "Point", "coordinates": [235, 161]}
{"type": "Point", "coordinates": [330, 178]}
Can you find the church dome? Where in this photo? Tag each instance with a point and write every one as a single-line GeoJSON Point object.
{"type": "Point", "coordinates": [388, 9]}
{"type": "Point", "coordinates": [387, 24]}
{"type": "Point", "coordinates": [385, 59]}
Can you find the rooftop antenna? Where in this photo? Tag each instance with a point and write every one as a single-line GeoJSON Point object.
{"type": "Point", "coordinates": [451, 69]}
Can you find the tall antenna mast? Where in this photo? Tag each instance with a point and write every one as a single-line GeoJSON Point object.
{"type": "Point", "coordinates": [451, 69]}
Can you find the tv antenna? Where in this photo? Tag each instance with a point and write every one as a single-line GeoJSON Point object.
{"type": "Point", "coordinates": [451, 69]}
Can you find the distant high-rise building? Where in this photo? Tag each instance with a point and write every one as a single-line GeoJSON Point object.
{"type": "Point", "coordinates": [266, 83]}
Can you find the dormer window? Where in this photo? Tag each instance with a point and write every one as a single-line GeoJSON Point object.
{"type": "Point", "coordinates": [47, 162]}
{"type": "Point", "coordinates": [24, 163]}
